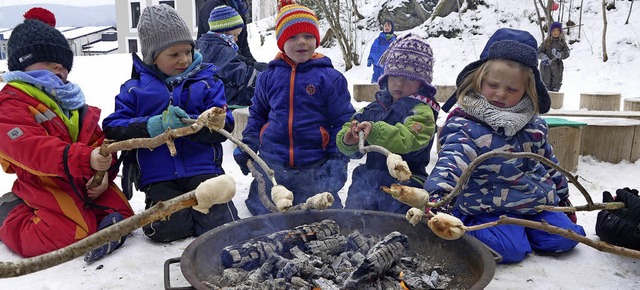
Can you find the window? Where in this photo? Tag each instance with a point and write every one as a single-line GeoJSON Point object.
{"type": "Point", "coordinates": [133, 45]}
{"type": "Point", "coordinates": [135, 14]}
{"type": "Point", "coordinates": [170, 3]}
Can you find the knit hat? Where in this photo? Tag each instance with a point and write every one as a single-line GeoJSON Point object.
{"type": "Point", "coordinates": [555, 25]}
{"type": "Point", "coordinates": [224, 18]}
{"type": "Point", "coordinates": [293, 19]}
{"type": "Point", "coordinates": [410, 57]}
{"type": "Point", "coordinates": [35, 41]}
{"type": "Point", "coordinates": [159, 27]}
{"type": "Point", "coordinates": [42, 14]}
{"type": "Point", "coordinates": [516, 45]}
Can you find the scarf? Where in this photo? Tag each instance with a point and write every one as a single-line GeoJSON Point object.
{"type": "Point", "coordinates": [511, 119]}
{"type": "Point", "coordinates": [68, 95]}
{"type": "Point", "coordinates": [193, 69]}
{"type": "Point", "coordinates": [228, 39]}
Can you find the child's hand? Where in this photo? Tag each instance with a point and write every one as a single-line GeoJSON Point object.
{"type": "Point", "coordinates": [365, 127]}
{"type": "Point", "coordinates": [351, 137]}
{"type": "Point", "coordinates": [99, 162]}
{"type": "Point", "coordinates": [171, 118]}
{"type": "Point", "coordinates": [93, 193]}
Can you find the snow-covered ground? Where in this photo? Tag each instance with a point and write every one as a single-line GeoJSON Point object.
{"type": "Point", "coordinates": [139, 263]}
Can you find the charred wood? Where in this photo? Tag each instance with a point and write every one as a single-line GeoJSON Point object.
{"type": "Point", "coordinates": [379, 259]}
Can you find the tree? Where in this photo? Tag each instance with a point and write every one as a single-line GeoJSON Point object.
{"type": "Point", "coordinates": [604, 31]}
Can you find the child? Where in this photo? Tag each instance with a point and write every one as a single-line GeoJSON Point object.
{"type": "Point", "coordinates": [219, 47]}
{"type": "Point", "coordinates": [299, 105]}
{"type": "Point", "coordinates": [552, 51]}
{"type": "Point", "coordinates": [500, 97]}
{"type": "Point", "coordinates": [50, 139]}
{"type": "Point", "coordinates": [621, 227]}
{"type": "Point", "coordinates": [378, 47]}
{"type": "Point", "coordinates": [169, 84]}
{"type": "Point", "coordinates": [402, 119]}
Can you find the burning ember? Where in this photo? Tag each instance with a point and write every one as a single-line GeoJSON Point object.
{"type": "Point", "coordinates": [319, 256]}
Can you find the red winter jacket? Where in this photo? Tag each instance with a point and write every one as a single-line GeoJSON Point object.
{"type": "Point", "coordinates": [52, 174]}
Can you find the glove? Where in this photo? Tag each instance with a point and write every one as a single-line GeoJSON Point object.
{"type": "Point", "coordinates": [369, 62]}
{"type": "Point", "coordinates": [241, 157]}
{"type": "Point", "coordinates": [631, 200]}
{"type": "Point", "coordinates": [572, 215]}
{"type": "Point", "coordinates": [545, 60]}
{"type": "Point", "coordinates": [555, 53]}
{"type": "Point", "coordinates": [154, 126]}
{"type": "Point", "coordinates": [171, 118]}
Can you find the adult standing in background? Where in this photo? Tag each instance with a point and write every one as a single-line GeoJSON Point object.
{"type": "Point", "coordinates": [243, 8]}
{"type": "Point", "coordinates": [378, 47]}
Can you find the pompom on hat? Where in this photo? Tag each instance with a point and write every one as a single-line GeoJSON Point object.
{"type": "Point", "coordinates": [42, 14]}
{"type": "Point", "coordinates": [293, 19]}
{"type": "Point", "coordinates": [515, 45]}
{"type": "Point", "coordinates": [411, 57]}
{"type": "Point", "coordinates": [159, 27]}
{"type": "Point", "coordinates": [224, 18]}
{"type": "Point", "coordinates": [36, 41]}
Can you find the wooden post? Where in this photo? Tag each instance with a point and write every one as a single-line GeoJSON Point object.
{"type": "Point", "coordinates": [557, 100]}
{"type": "Point", "coordinates": [443, 92]}
{"type": "Point", "coordinates": [365, 92]}
{"type": "Point", "coordinates": [632, 104]}
{"type": "Point", "coordinates": [600, 101]}
{"type": "Point", "coordinates": [610, 139]}
{"type": "Point", "coordinates": [565, 141]}
{"type": "Point", "coordinates": [241, 116]}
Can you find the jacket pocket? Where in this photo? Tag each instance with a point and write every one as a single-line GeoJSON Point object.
{"type": "Point", "coordinates": [325, 137]}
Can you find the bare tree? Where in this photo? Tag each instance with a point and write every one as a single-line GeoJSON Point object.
{"type": "Point", "coordinates": [580, 21]}
{"type": "Point", "coordinates": [604, 31]}
{"type": "Point", "coordinates": [630, 7]}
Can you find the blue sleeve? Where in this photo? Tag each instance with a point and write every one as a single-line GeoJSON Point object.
{"type": "Point", "coordinates": [339, 105]}
{"type": "Point", "coordinates": [258, 112]}
{"type": "Point", "coordinates": [124, 123]}
{"type": "Point", "coordinates": [562, 188]}
{"type": "Point", "coordinates": [214, 97]}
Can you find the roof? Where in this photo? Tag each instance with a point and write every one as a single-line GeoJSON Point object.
{"type": "Point", "coordinates": [72, 34]}
{"type": "Point", "coordinates": [100, 47]}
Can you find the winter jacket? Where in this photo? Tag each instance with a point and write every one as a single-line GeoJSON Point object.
{"type": "Point", "coordinates": [552, 74]}
{"type": "Point", "coordinates": [146, 95]}
{"type": "Point", "coordinates": [498, 185]}
{"type": "Point", "coordinates": [378, 47]}
{"type": "Point", "coordinates": [405, 127]}
{"type": "Point", "coordinates": [52, 172]}
{"type": "Point", "coordinates": [239, 78]}
{"type": "Point", "coordinates": [297, 110]}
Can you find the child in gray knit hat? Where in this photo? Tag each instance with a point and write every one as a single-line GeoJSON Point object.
{"type": "Point", "coordinates": [170, 85]}
{"type": "Point", "coordinates": [402, 120]}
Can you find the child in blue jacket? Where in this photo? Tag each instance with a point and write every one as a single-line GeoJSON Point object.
{"type": "Point", "coordinates": [402, 119]}
{"type": "Point", "coordinates": [300, 104]}
{"type": "Point", "coordinates": [378, 47]}
{"type": "Point", "coordinates": [499, 98]}
{"type": "Point", "coordinates": [218, 46]}
{"type": "Point", "coordinates": [171, 83]}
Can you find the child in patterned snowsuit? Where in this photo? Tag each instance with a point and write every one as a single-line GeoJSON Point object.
{"type": "Point", "coordinates": [402, 119]}
{"type": "Point", "coordinates": [499, 98]}
{"type": "Point", "coordinates": [551, 53]}
{"type": "Point", "coordinates": [300, 104]}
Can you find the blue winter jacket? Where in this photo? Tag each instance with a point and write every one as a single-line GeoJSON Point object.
{"type": "Point", "coordinates": [146, 95]}
{"type": "Point", "coordinates": [297, 110]}
{"type": "Point", "coordinates": [239, 78]}
{"type": "Point", "coordinates": [378, 47]}
{"type": "Point", "coordinates": [498, 185]}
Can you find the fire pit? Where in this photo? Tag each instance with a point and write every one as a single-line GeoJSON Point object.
{"type": "Point", "coordinates": [466, 259]}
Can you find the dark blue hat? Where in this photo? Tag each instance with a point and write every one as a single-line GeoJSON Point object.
{"type": "Point", "coordinates": [555, 25]}
{"type": "Point", "coordinates": [516, 45]}
{"type": "Point", "coordinates": [34, 41]}
{"type": "Point", "coordinates": [390, 22]}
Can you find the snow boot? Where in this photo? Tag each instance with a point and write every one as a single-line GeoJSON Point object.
{"type": "Point", "coordinates": [100, 252]}
{"type": "Point", "coordinates": [8, 202]}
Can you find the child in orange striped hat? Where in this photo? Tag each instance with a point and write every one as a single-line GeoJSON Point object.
{"type": "Point", "coordinates": [299, 105]}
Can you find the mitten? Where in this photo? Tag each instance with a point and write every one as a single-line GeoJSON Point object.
{"type": "Point", "coordinates": [241, 157]}
{"type": "Point", "coordinates": [154, 126]}
{"type": "Point", "coordinates": [631, 200]}
{"type": "Point", "coordinates": [545, 60]}
{"type": "Point", "coordinates": [572, 215]}
{"type": "Point", "coordinates": [556, 53]}
{"type": "Point", "coordinates": [171, 118]}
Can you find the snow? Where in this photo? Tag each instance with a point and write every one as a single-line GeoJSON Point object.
{"type": "Point", "coordinates": [139, 263]}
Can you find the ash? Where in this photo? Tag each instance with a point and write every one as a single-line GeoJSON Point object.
{"type": "Point", "coordinates": [319, 256]}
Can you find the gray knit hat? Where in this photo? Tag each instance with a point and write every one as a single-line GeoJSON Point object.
{"type": "Point", "coordinates": [159, 27]}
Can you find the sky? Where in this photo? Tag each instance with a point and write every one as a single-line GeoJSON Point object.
{"type": "Point", "coordinates": [139, 263]}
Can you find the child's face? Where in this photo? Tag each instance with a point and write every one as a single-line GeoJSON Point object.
{"type": "Point", "coordinates": [504, 84]}
{"type": "Point", "coordinates": [401, 87]}
{"type": "Point", "coordinates": [300, 47]}
{"type": "Point", "coordinates": [386, 27]}
{"type": "Point", "coordinates": [555, 33]}
{"type": "Point", "coordinates": [234, 33]}
{"type": "Point", "coordinates": [174, 59]}
{"type": "Point", "coordinates": [53, 67]}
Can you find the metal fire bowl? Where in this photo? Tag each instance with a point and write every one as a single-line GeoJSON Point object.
{"type": "Point", "coordinates": [466, 259]}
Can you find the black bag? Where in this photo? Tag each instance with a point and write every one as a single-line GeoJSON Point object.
{"type": "Point", "coordinates": [130, 172]}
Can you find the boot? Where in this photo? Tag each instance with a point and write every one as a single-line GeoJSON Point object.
{"type": "Point", "coordinates": [8, 202]}
{"type": "Point", "coordinates": [100, 252]}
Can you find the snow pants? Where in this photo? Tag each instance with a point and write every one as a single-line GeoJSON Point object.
{"type": "Point", "coordinates": [328, 175]}
{"type": "Point", "coordinates": [552, 75]}
{"type": "Point", "coordinates": [377, 72]}
{"type": "Point", "coordinates": [515, 242]}
{"type": "Point", "coordinates": [48, 221]}
{"type": "Point", "coordinates": [365, 192]}
{"type": "Point", "coordinates": [186, 222]}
